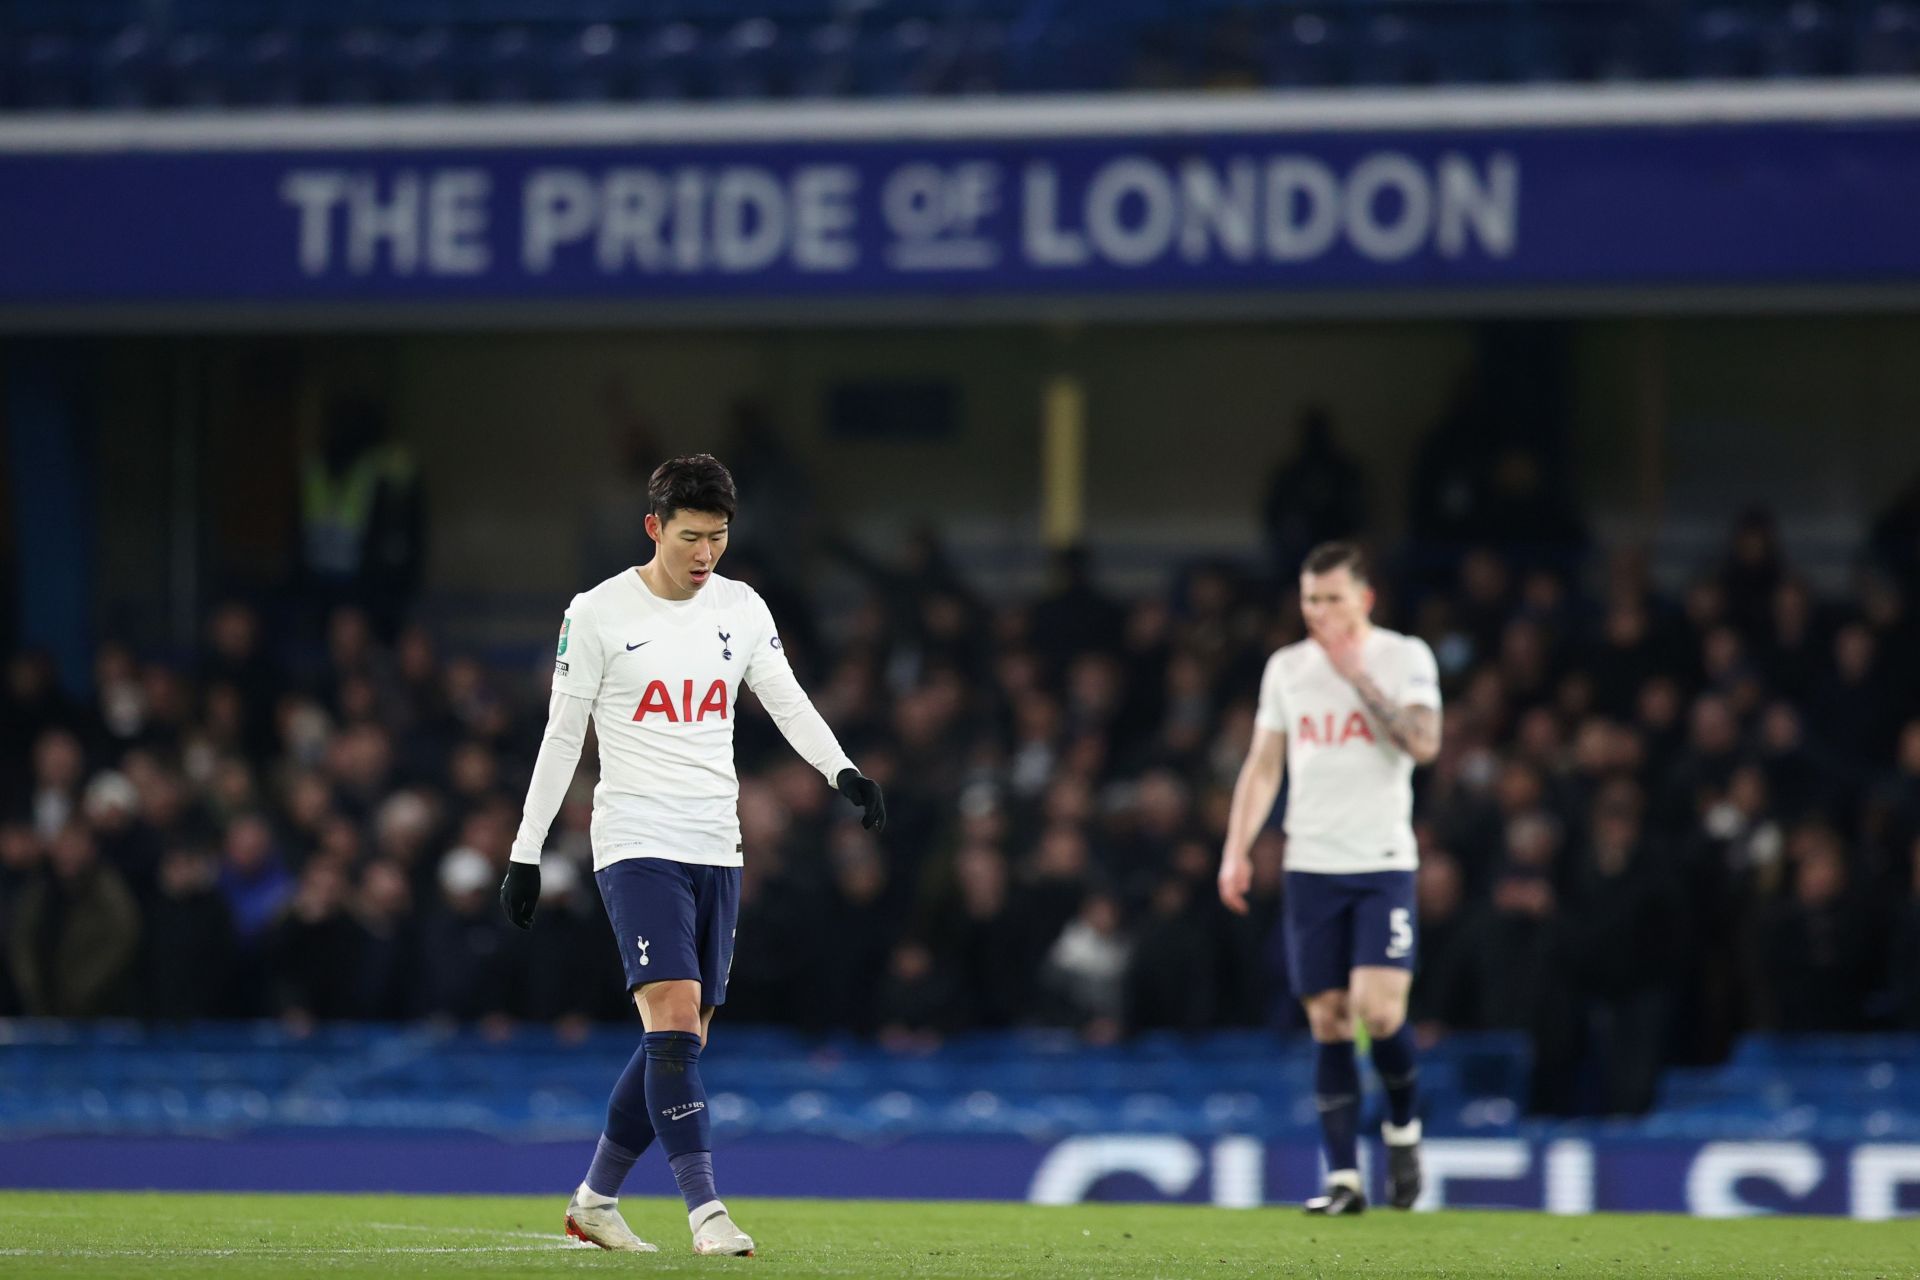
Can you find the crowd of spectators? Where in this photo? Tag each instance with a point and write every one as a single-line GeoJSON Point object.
{"type": "Point", "coordinates": [1657, 821]}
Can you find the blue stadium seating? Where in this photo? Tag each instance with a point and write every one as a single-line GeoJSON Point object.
{"type": "Point", "coordinates": [224, 1078]}
{"type": "Point", "coordinates": [221, 1079]}
{"type": "Point", "coordinates": [206, 54]}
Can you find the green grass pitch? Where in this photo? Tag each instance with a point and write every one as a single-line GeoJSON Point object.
{"type": "Point", "coordinates": [115, 1234]}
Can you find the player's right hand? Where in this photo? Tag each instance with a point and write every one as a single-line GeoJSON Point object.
{"type": "Point", "coordinates": [520, 893]}
{"type": "Point", "coordinates": [1236, 878]}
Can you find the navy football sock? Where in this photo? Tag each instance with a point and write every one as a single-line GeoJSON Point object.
{"type": "Point", "coordinates": [1393, 1059]}
{"type": "Point", "coordinates": [629, 1131]}
{"type": "Point", "coordinates": [1336, 1094]}
{"type": "Point", "coordinates": [677, 1105]}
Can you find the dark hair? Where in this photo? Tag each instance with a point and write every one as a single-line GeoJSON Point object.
{"type": "Point", "coordinates": [696, 482]}
{"type": "Point", "coordinates": [1329, 556]}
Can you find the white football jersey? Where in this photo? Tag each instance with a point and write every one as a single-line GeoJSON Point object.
{"type": "Point", "coordinates": [664, 677]}
{"type": "Point", "coordinates": [1349, 789]}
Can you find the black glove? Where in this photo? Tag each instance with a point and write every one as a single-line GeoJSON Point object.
{"type": "Point", "coordinates": [865, 792]}
{"type": "Point", "coordinates": [520, 892]}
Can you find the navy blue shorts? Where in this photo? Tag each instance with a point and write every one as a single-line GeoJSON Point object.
{"type": "Point", "coordinates": [673, 920]}
{"type": "Point", "coordinates": [1335, 924]}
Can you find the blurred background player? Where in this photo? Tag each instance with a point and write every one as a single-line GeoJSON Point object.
{"type": "Point", "coordinates": [656, 656]}
{"type": "Point", "coordinates": [1346, 713]}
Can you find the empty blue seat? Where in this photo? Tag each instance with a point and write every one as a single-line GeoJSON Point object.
{"type": "Point", "coordinates": [671, 64]}
{"type": "Point", "coordinates": [1723, 44]}
{"type": "Point", "coordinates": [1806, 40]}
{"type": "Point", "coordinates": [1391, 48]}
{"type": "Point", "coordinates": [594, 64]}
{"type": "Point", "coordinates": [1887, 42]}
{"type": "Point", "coordinates": [898, 60]}
{"type": "Point", "coordinates": [749, 60]}
{"type": "Point", "coordinates": [1309, 49]}
{"type": "Point", "coordinates": [823, 60]}
{"type": "Point", "coordinates": [48, 72]}
{"type": "Point", "coordinates": [125, 74]}
{"type": "Point", "coordinates": [508, 67]}
{"type": "Point", "coordinates": [1467, 48]}
{"type": "Point", "coordinates": [267, 69]}
{"type": "Point", "coordinates": [200, 69]}
{"type": "Point", "coordinates": [350, 68]}
{"type": "Point", "coordinates": [425, 65]}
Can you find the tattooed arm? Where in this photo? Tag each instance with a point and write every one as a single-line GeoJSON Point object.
{"type": "Point", "coordinates": [1414, 729]}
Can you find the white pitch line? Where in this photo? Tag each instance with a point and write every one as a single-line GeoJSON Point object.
{"type": "Point", "coordinates": [472, 1231]}
{"type": "Point", "coordinates": [291, 1249]}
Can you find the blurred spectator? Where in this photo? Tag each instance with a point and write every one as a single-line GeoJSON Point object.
{"type": "Point", "coordinates": [1443, 996]}
{"type": "Point", "coordinates": [1791, 648]}
{"type": "Point", "coordinates": [1890, 818]}
{"type": "Point", "coordinates": [1753, 570]}
{"type": "Point", "coordinates": [1316, 495]}
{"type": "Point", "coordinates": [1517, 974]}
{"type": "Point", "coordinates": [119, 696]}
{"type": "Point", "coordinates": [1073, 615]}
{"type": "Point", "coordinates": [1626, 656]}
{"type": "Point", "coordinates": [59, 768]}
{"type": "Point", "coordinates": [858, 932]}
{"type": "Point", "coordinates": [362, 514]}
{"type": "Point", "coordinates": [568, 969]}
{"type": "Point", "coordinates": [984, 940]}
{"type": "Point", "coordinates": [1732, 861]}
{"type": "Point", "coordinates": [1818, 956]}
{"type": "Point", "coordinates": [190, 950]}
{"type": "Point", "coordinates": [111, 807]}
{"type": "Point", "coordinates": [22, 863]}
{"type": "Point", "coordinates": [777, 524]}
{"type": "Point", "coordinates": [1853, 707]}
{"type": "Point", "coordinates": [615, 532]}
{"type": "Point", "coordinates": [384, 975]}
{"type": "Point", "coordinates": [254, 881]}
{"type": "Point", "coordinates": [1618, 938]}
{"type": "Point", "coordinates": [464, 972]}
{"type": "Point", "coordinates": [314, 950]}
{"type": "Point", "coordinates": [1171, 979]}
{"type": "Point", "coordinates": [1894, 540]}
{"type": "Point", "coordinates": [33, 705]}
{"type": "Point", "coordinates": [236, 658]}
{"type": "Point", "coordinates": [1086, 968]}
{"type": "Point", "coordinates": [74, 934]}
{"type": "Point", "coordinates": [1903, 953]}
{"type": "Point", "coordinates": [918, 1001]}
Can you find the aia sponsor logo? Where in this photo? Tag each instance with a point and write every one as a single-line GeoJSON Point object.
{"type": "Point", "coordinates": [659, 701]}
{"type": "Point", "coordinates": [1322, 732]}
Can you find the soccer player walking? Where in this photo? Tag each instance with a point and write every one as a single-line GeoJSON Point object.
{"type": "Point", "coordinates": [655, 656]}
{"type": "Point", "coordinates": [1348, 713]}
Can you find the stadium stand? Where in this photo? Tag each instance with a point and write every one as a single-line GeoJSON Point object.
{"type": "Point", "coordinates": [222, 54]}
{"type": "Point", "coordinates": [1729, 780]}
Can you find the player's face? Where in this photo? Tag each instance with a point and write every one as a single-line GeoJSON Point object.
{"type": "Point", "coordinates": [1333, 603]}
{"type": "Point", "coordinates": [690, 545]}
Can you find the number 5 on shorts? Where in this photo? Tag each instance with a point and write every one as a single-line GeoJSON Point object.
{"type": "Point", "coordinates": [1400, 930]}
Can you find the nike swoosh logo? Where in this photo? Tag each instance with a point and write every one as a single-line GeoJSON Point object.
{"type": "Point", "coordinates": [632, 647]}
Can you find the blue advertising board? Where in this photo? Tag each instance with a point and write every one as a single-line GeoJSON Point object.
{"type": "Point", "coordinates": [1571, 1175]}
{"type": "Point", "coordinates": [1248, 206]}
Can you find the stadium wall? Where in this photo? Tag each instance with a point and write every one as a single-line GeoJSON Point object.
{"type": "Point", "coordinates": [1818, 411]}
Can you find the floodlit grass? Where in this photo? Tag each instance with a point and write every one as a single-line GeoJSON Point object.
{"type": "Point", "coordinates": [118, 1234]}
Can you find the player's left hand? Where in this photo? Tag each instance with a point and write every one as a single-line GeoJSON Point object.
{"type": "Point", "coordinates": [1343, 652]}
{"type": "Point", "coordinates": [865, 792]}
